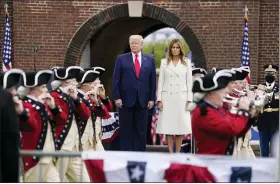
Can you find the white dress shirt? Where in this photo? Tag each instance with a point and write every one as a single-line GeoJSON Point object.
{"type": "Point", "coordinates": [139, 57]}
{"type": "Point", "coordinates": [270, 85]}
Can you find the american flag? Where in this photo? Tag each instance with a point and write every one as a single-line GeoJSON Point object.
{"type": "Point", "coordinates": [7, 46]}
{"type": "Point", "coordinates": [140, 167]}
{"type": "Point", "coordinates": [245, 56]}
{"type": "Point", "coordinates": [155, 114]}
{"type": "Point", "coordinates": [154, 124]}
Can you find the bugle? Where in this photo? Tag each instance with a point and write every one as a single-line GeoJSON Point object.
{"type": "Point", "coordinates": [233, 102]}
{"type": "Point", "coordinates": [231, 97]}
{"type": "Point", "coordinates": [242, 93]}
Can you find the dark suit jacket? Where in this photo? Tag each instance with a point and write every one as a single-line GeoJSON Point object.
{"type": "Point", "coordinates": [9, 166]}
{"type": "Point", "coordinates": [128, 87]}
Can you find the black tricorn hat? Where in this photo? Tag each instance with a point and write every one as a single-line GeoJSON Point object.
{"type": "Point", "coordinates": [214, 69]}
{"type": "Point", "coordinates": [33, 79]}
{"type": "Point", "coordinates": [55, 67]}
{"type": "Point", "coordinates": [10, 78]}
{"type": "Point", "coordinates": [66, 73]}
{"type": "Point", "coordinates": [271, 68]}
{"type": "Point", "coordinates": [199, 71]}
{"type": "Point", "coordinates": [87, 76]}
{"type": "Point", "coordinates": [241, 73]}
{"type": "Point", "coordinates": [213, 81]}
{"type": "Point", "coordinates": [99, 69]}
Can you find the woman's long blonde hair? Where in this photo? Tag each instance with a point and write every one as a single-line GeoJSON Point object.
{"type": "Point", "coordinates": [182, 54]}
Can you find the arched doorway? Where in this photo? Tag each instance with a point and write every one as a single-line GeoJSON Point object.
{"type": "Point", "coordinates": [108, 32]}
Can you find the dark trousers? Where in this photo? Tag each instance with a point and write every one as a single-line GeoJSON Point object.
{"type": "Point", "coordinates": [133, 127]}
{"type": "Point", "coordinates": [265, 143]}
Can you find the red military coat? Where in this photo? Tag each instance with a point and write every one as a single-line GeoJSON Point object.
{"type": "Point", "coordinates": [71, 108]}
{"type": "Point", "coordinates": [214, 131]}
{"type": "Point", "coordinates": [34, 125]}
{"type": "Point", "coordinates": [83, 123]}
{"type": "Point", "coordinates": [103, 108]}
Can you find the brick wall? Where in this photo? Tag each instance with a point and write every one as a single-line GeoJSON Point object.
{"type": "Point", "coordinates": [217, 24]}
{"type": "Point", "coordinates": [268, 47]}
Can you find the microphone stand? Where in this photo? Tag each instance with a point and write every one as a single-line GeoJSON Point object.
{"type": "Point", "coordinates": [36, 48]}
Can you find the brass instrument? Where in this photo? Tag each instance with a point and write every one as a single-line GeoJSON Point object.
{"type": "Point", "coordinates": [234, 103]}
{"type": "Point", "coordinates": [253, 87]}
{"type": "Point", "coordinates": [257, 104]}
{"type": "Point", "coordinates": [241, 93]}
{"type": "Point", "coordinates": [231, 97]}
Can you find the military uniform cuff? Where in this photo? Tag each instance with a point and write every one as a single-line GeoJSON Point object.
{"type": "Point", "coordinates": [99, 105]}
{"type": "Point", "coordinates": [25, 115]}
{"type": "Point", "coordinates": [243, 112]}
{"type": "Point", "coordinates": [105, 100]}
{"type": "Point", "coordinates": [78, 101]}
{"type": "Point", "coordinates": [253, 122]}
{"type": "Point", "coordinates": [56, 110]}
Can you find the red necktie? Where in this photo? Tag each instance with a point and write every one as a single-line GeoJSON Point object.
{"type": "Point", "coordinates": [137, 65]}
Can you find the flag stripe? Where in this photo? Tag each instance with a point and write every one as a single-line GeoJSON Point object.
{"type": "Point", "coordinates": [120, 166]}
{"type": "Point", "coordinates": [95, 170]}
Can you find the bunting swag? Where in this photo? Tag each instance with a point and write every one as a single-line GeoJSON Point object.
{"type": "Point", "coordinates": [110, 127]}
{"type": "Point", "coordinates": [165, 167]}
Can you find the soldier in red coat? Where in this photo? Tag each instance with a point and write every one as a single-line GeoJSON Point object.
{"type": "Point", "coordinates": [213, 128]}
{"type": "Point", "coordinates": [239, 75]}
{"type": "Point", "coordinates": [37, 121]}
{"type": "Point", "coordinates": [102, 98]}
{"type": "Point", "coordinates": [67, 134]}
{"type": "Point", "coordinates": [102, 106]}
{"type": "Point", "coordinates": [85, 92]}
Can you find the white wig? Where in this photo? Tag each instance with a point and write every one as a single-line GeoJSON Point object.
{"type": "Point", "coordinates": [23, 91]}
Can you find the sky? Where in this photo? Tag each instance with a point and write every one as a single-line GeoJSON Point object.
{"type": "Point", "coordinates": [162, 34]}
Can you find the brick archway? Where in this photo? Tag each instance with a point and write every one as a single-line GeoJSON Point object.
{"type": "Point", "coordinates": [95, 23]}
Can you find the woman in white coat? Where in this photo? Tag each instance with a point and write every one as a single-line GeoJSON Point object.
{"type": "Point", "coordinates": [174, 92]}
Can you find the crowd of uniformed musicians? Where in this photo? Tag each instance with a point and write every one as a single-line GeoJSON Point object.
{"type": "Point", "coordinates": [68, 117]}
{"type": "Point", "coordinates": [225, 107]}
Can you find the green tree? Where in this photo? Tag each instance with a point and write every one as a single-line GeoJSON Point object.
{"type": "Point", "coordinates": [159, 49]}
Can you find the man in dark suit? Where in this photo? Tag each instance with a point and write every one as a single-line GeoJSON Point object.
{"type": "Point", "coordinates": [134, 90]}
{"type": "Point", "coordinates": [9, 164]}
{"type": "Point", "coordinates": [268, 121]}
{"type": "Point", "coordinates": [9, 130]}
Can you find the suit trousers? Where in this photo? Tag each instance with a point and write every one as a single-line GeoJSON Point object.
{"type": "Point", "coordinates": [133, 127]}
{"type": "Point", "coordinates": [42, 172]}
{"type": "Point", "coordinates": [72, 169]}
